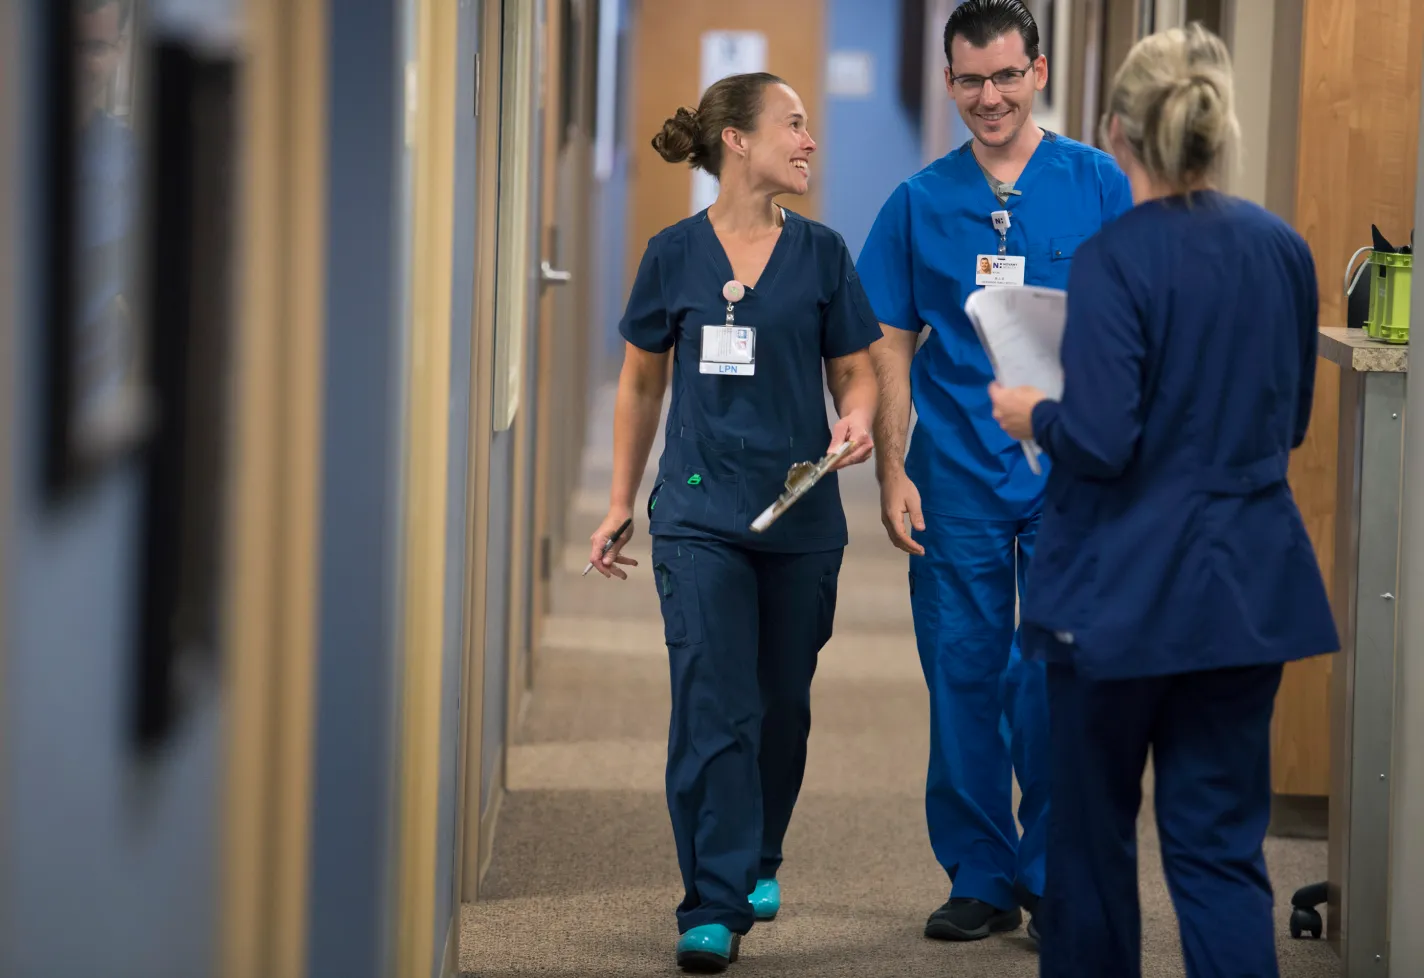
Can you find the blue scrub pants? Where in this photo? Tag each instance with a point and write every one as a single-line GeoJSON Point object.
{"type": "Point", "coordinates": [1210, 735]}
{"type": "Point", "coordinates": [988, 707]}
{"type": "Point", "coordinates": [744, 630]}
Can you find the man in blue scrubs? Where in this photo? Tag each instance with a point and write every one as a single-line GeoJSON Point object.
{"type": "Point", "coordinates": [1007, 208]}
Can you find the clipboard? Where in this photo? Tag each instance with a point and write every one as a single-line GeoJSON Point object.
{"type": "Point", "coordinates": [799, 480]}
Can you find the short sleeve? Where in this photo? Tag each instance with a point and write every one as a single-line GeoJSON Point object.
{"type": "Point", "coordinates": [645, 322]}
{"type": "Point", "coordinates": [1117, 192]}
{"type": "Point", "coordinates": [848, 323]}
{"type": "Point", "coordinates": [885, 268]}
{"type": "Point", "coordinates": [1093, 431]}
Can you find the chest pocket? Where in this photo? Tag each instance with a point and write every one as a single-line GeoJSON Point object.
{"type": "Point", "coordinates": [1063, 247]}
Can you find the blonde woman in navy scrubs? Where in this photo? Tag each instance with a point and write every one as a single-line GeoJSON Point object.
{"type": "Point", "coordinates": [1173, 577]}
{"type": "Point", "coordinates": [749, 300]}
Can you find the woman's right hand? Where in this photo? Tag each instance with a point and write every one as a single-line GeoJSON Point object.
{"type": "Point", "coordinates": [608, 563]}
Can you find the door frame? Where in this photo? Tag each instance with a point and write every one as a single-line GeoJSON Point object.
{"type": "Point", "coordinates": [430, 108]}
{"type": "Point", "coordinates": [563, 370]}
{"type": "Point", "coordinates": [10, 173]}
{"type": "Point", "coordinates": [471, 838]}
{"type": "Point", "coordinates": [272, 597]}
{"type": "Point", "coordinates": [525, 112]}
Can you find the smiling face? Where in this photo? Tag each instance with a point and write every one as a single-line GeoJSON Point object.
{"type": "Point", "coordinates": [777, 155]}
{"type": "Point", "coordinates": [994, 86]}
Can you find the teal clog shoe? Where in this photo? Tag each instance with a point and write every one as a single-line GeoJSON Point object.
{"type": "Point", "coordinates": [707, 949]}
{"type": "Point", "coordinates": [766, 899]}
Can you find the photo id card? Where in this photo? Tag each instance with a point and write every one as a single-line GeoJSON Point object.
{"type": "Point", "coordinates": [999, 270]}
{"type": "Point", "coordinates": [729, 350]}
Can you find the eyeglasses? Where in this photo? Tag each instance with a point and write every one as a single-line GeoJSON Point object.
{"type": "Point", "coordinates": [1007, 80]}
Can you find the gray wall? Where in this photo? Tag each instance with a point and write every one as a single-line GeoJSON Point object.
{"type": "Point", "coordinates": [358, 680]}
{"type": "Point", "coordinates": [107, 864]}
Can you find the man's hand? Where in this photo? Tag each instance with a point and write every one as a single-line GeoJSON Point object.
{"type": "Point", "coordinates": [898, 499]}
{"type": "Point", "coordinates": [855, 427]}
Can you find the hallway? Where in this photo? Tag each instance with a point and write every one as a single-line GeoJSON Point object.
{"type": "Point", "coordinates": [584, 878]}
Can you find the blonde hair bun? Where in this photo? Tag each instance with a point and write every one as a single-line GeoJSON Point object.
{"type": "Point", "coordinates": [1174, 100]}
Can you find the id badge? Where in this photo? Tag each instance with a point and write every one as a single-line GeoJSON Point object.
{"type": "Point", "coordinates": [729, 351]}
{"type": "Point", "coordinates": [999, 270]}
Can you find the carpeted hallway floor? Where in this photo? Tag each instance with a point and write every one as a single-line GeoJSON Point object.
{"type": "Point", "coordinates": [584, 878]}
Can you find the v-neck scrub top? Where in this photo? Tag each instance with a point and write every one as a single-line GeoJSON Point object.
{"type": "Point", "coordinates": [918, 265]}
{"type": "Point", "coordinates": [730, 440]}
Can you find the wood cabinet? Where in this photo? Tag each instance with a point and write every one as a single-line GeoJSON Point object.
{"type": "Point", "coordinates": [1357, 130]}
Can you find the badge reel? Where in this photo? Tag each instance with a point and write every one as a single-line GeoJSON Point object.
{"type": "Point", "coordinates": [799, 480]}
{"type": "Point", "coordinates": [1002, 269]}
{"type": "Point", "coordinates": [729, 350]}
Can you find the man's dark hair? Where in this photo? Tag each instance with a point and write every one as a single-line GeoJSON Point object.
{"type": "Point", "coordinates": [982, 21]}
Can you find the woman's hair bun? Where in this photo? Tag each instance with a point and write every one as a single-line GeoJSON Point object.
{"type": "Point", "coordinates": [680, 137]}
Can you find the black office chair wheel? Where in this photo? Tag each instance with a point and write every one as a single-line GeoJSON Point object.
{"type": "Point", "coordinates": [1306, 922]}
{"type": "Point", "coordinates": [1304, 918]}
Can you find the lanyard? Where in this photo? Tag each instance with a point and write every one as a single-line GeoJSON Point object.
{"type": "Point", "coordinates": [1001, 224]}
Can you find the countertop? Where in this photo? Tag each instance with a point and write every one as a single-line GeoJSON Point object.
{"type": "Point", "coordinates": [1353, 350]}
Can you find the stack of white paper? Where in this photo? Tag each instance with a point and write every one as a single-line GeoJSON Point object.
{"type": "Point", "coordinates": [1021, 329]}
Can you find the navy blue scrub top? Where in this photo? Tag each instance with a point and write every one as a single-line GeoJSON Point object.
{"type": "Point", "coordinates": [731, 439]}
{"type": "Point", "coordinates": [1170, 541]}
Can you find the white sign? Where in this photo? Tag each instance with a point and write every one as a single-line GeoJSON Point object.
{"type": "Point", "coordinates": [850, 74]}
{"type": "Point", "coordinates": [724, 53]}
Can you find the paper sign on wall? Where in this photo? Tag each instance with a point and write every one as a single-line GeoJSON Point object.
{"type": "Point", "coordinates": [850, 74]}
{"type": "Point", "coordinates": [724, 53]}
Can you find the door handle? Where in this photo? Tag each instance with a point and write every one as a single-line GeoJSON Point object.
{"type": "Point", "coordinates": [549, 275]}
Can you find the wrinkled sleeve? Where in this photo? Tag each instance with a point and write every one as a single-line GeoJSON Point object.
{"type": "Point", "coordinates": [1309, 287]}
{"type": "Point", "coordinates": [645, 321]}
{"type": "Point", "coordinates": [1093, 432]}
{"type": "Point", "coordinates": [1117, 193]}
{"type": "Point", "coordinates": [848, 323]}
{"type": "Point", "coordinates": [885, 264]}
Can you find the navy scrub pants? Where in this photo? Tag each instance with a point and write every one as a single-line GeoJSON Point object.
{"type": "Point", "coordinates": [744, 630]}
{"type": "Point", "coordinates": [988, 707]}
{"type": "Point", "coordinates": [1209, 733]}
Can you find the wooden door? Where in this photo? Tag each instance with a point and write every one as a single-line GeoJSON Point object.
{"type": "Point", "coordinates": [1355, 167]}
{"type": "Point", "coordinates": [667, 73]}
{"type": "Point", "coordinates": [564, 337]}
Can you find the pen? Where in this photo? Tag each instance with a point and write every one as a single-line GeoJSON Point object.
{"type": "Point", "coordinates": [608, 544]}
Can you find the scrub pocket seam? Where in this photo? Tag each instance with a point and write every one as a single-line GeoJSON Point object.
{"type": "Point", "coordinates": [677, 592]}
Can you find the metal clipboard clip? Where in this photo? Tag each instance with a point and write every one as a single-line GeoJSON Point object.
{"type": "Point", "coordinates": [799, 480]}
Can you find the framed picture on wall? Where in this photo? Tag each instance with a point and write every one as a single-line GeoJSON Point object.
{"type": "Point", "coordinates": [99, 399]}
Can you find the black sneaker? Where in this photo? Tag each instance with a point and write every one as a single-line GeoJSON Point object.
{"type": "Point", "coordinates": [967, 919]}
{"type": "Point", "coordinates": [1029, 901]}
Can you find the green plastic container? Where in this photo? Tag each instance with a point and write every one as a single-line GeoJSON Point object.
{"type": "Point", "coordinates": [1389, 297]}
{"type": "Point", "coordinates": [1387, 276]}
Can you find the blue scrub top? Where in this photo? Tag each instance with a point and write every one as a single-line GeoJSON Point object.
{"type": "Point", "coordinates": [918, 266]}
{"type": "Point", "coordinates": [1170, 540]}
{"type": "Point", "coordinates": [732, 439]}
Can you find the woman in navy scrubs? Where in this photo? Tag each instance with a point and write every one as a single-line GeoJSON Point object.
{"type": "Point", "coordinates": [749, 300]}
{"type": "Point", "coordinates": [1173, 576]}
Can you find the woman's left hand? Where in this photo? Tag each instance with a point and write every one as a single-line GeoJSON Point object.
{"type": "Point", "coordinates": [1013, 409]}
{"type": "Point", "coordinates": [853, 427]}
